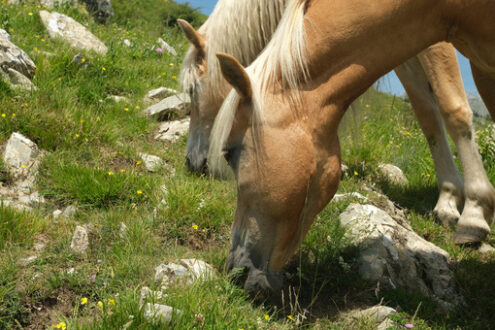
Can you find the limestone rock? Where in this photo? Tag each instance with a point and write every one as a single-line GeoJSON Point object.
{"type": "Point", "coordinates": [393, 174]}
{"type": "Point", "coordinates": [66, 28]}
{"type": "Point", "coordinates": [184, 273]}
{"type": "Point", "coordinates": [117, 98]}
{"type": "Point", "coordinates": [28, 260]}
{"type": "Point", "coordinates": [158, 312]}
{"type": "Point", "coordinates": [377, 314]}
{"type": "Point", "coordinates": [175, 104]}
{"type": "Point", "coordinates": [20, 155]}
{"type": "Point", "coordinates": [486, 248]}
{"type": "Point", "coordinates": [147, 292]}
{"type": "Point", "coordinates": [173, 130]}
{"type": "Point", "coordinates": [14, 58]}
{"type": "Point", "coordinates": [17, 80]}
{"type": "Point", "coordinates": [69, 211]}
{"type": "Point", "coordinates": [151, 162]}
{"type": "Point", "coordinates": [127, 43]}
{"type": "Point", "coordinates": [80, 241]}
{"type": "Point", "coordinates": [395, 255]}
{"type": "Point", "coordinates": [159, 93]}
{"type": "Point", "coordinates": [56, 214]}
{"type": "Point", "coordinates": [166, 46]}
{"type": "Point", "coordinates": [341, 197]}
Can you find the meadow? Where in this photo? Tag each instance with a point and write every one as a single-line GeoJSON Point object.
{"type": "Point", "coordinates": [92, 161]}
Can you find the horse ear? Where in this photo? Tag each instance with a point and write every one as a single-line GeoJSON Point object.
{"type": "Point", "coordinates": [194, 37]}
{"type": "Point", "coordinates": [235, 74]}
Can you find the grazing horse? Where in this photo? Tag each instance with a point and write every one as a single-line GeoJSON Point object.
{"type": "Point", "coordinates": [245, 36]}
{"type": "Point", "coordinates": [277, 128]}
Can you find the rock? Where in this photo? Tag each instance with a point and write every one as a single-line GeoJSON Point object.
{"type": "Point", "coordinates": [101, 9]}
{"type": "Point", "coordinates": [80, 241]}
{"type": "Point", "coordinates": [486, 248]}
{"type": "Point", "coordinates": [377, 314]}
{"type": "Point", "coordinates": [21, 156]}
{"type": "Point", "coordinates": [387, 324]}
{"type": "Point", "coordinates": [79, 59]}
{"type": "Point", "coordinates": [31, 199]}
{"type": "Point", "coordinates": [122, 230]}
{"type": "Point", "coordinates": [184, 273]}
{"type": "Point", "coordinates": [396, 256]}
{"type": "Point", "coordinates": [69, 211]}
{"type": "Point", "coordinates": [64, 27]}
{"type": "Point", "coordinates": [151, 162]}
{"type": "Point", "coordinates": [14, 58]}
{"type": "Point", "coordinates": [172, 105]}
{"type": "Point", "coordinates": [173, 130]}
{"type": "Point", "coordinates": [158, 312]}
{"type": "Point", "coordinates": [56, 214]}
{"type": "Point", "coordinates": [159, 93]}
{"type": "Point", "coordinates": [71, 271]}
{"type": "Point", "coordinates": [127, 43]}
{"type": "Point", "coordinates": [147, 292]}
{"type": "Point", "coordinates": [117, 98]}
{"type": "Point", "coordinates": [344, 169]}
{"type": "Point", "coordinates": [28, 260]}
{"type": "Point", "coordinates": [166, 46]}
{"type": "Point", "coordinates": [17, 80]}
{"type": "Point", "coordinates": [393, 174]}
{"type": "Point", "coordinates": [341, 197]}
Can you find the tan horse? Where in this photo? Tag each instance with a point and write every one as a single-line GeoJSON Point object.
{"type": "Point", "coordinates": [245, 36]}
{"type": "Point", "coordinates": [278, 127]}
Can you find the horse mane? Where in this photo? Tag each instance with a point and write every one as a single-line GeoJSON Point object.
{"type": "Point", "coordinates": [283, 62]}
{"type": "Point", "coordinates": [241, 28]}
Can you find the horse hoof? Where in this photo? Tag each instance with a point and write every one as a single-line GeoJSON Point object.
{"type": "Point", "coordinates": [469, 235]}
{"type": "Point", "coordinates": [448, 218]}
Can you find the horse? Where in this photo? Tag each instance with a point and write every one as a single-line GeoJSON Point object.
{"type": "Point", "coordinates": [245, 37]}
{"type": "Point", "coordinates": [277, 128]}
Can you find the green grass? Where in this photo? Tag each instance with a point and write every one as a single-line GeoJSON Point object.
{"type": "Point", "coordinates": [92, 161]}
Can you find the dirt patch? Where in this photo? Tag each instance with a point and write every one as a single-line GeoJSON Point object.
{"type": "Point", "coordinates": [48, 311]}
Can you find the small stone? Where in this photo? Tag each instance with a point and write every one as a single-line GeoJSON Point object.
{"type": "Point", "coordinates": [167, 47]}
{"type": "Point", "coordinates": [69, 211]}
{"type": "Point", "coordinates": [80, 241]}
{"type": "Point", "coordinates": [377, 314]}
{"type": "Point", "coordinates": [70, 270]}
{"type": "Point", "coordinates": [117, 98]}
{"type": "Point", "coordinates": [486, 248]}
{"type": "Point", "coordinates": [158, 312]}
{"type": "Point", "coordinates": [56, 214]}
{"type": "Point", "coordinates": [173, 130]}
{"type": "Point", "coordinates": [79, 60]}
{"type": "Point", "coordinates": [26, 261]}
{"type": "Point", "coordinates": [341, 197]}
{"type": "Point", "coordinates": [185, 273]}
{"type": "Point", "coordinates": [175, 104]}
{"type": "Point", "coordinates": [393, 174]}
{"type": "Point", "coordinates": [20, 155]}
{"type": "Point", "coordinates": [344, 169]}
{"type": "Point", "coordinates": [159, 93]}
{"type": "Point", "coordinates": [151, 162]}
{"type": "Point", "coordinates": [127, 43]}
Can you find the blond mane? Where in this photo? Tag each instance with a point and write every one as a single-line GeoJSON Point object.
{"type": "Point", "coordinates": [283, 61]}
{"type": "Point", "coordinates": [241, 28]}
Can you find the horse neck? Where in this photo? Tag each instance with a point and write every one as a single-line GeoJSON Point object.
{"type": "Point", "coordinates": [351, 44]}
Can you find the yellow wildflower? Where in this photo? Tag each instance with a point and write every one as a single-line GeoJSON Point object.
{"type": "Point", "coordinates": [111, 301]}
{"type": "Point", "coordinates": [138, 107]}
{"type": "Point", "coordinates": [13, 115]}
{"type": "Point", "coordinates": [86, 140]}
{"type": "Point", "coordinates": [76, 135]}
{"type": "Point", "coordinates": [83, 60]}
{"type": "Point", "coordinates": [126, 109]}
{"type": "Point", "coordinates": [139, 192]}
{"type": "Point", "coordinates": [24, 166]}
{"type": "Point", "coordinates": [174, 77]}
{"type": "Point", "coordinates": [35, 49]}
{"type": "Point", "coordinates": [356, 173]}
{"type": "Point", "coordinates": [267, 317]}
{"type": "Point", "coordinates": [110, 173]}
{"type": "Point", "coordinates": [3, 115]}
{"type": "Point", "coordinates": [290, 317]}
{"type": "Point", "coordinates": [61, 325]}
{"type": "Point", "coordinates": [138, 162]}
{"type": "Point", "coordinates": [367, 105]}
{"type": "Point", "coordinates": [122, 171]}
{"type": "Point", "coordinates": [30, 14]}
{"type": "Point", "coordinates": [103, 68]}
{"type": "Point", "coordinates": [82, 121]}
{"type": "Point", "coordinates": [98, 118]}
{"type": "Point", "coordinates": [171, 64]}
{"type": "Point", "coordinates": [42, 40]}
{"type": "Point", "coordinates": [195, 227]}
{"type": "Point", "coordinates": [84, 301]}
{"type": "Point", "coordinates": [100, 304]}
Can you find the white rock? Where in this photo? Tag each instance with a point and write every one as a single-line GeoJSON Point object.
{"type": "Point", "coordinates": [127, 43]}
{"type": "Point", "coordinates": [66, 28]}
{"type": "Point", "coordinates": [31, 199]}
{"type": "Point", "coordinates": [166, 46]}
{"type": "Point", "coordinates": [341, 197]}
{"type": "Point", "coordinates": [147, 292]}
{"type": "Point", "coordinates": [486, 248]}
{"type": "Point", "coordinates": [377, 314]}
{"type": "Point", "coordinates": [151, 162]}
{"type": "Point", "coordinates": [14, 58]}
{"type": "Point", "coordinates": [158, 312]}
{"type": "Point", "coordinates": [117, 98]}
{"type": "Point", "coordinates": [159, 93]}
{"type": "Point", "coordinates": [20, 155]}
{"type": "Point", "coordinates": [393, 174]}
{"type": "Point", "coordinates": [184, 273]}
{"type": "Point", "coordinates": [56, 214]}
{"type": "Point", "coordinates": [28, 260]}
{"type": "Point", "coordinates": [175, 104]}
{"type": "Point", "coordinates": [173, 130]}
{"type": "Point", "coordinates": [80, 241]}
{"type": "Point", "coordinates": [71, 271]}
{"type": "Point", "coordinates": [386, 324]}
{"type": "Point", "coordinates": [395, 255]}
{"type": "Point", "coordinates": [69, 211]}
{"type": "Point", "coordinates": [17, 80]}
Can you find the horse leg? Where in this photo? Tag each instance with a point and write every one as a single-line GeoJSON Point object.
{"type": "Point", "coordinates": [442, 69]}
{"type": "Point", "coordinates": [486, 86]}
{"type": "Point", "coordinates": [424, 104]}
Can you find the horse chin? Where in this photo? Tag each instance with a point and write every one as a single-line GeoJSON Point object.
{"type": "Point", "coordinates": [196, 164]}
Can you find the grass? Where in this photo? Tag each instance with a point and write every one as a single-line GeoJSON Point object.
{"type": "Point", "coordinates": [92, 160]}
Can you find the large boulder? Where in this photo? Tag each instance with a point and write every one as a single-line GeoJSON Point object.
{"type": "Point", "coordinates": [66, 28]}
{"type": "Point", "coordinates": [16, 67]}
{"type": "Point", "coordinates": [394, 255]}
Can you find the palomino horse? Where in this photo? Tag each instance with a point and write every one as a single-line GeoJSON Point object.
{"type": "Point", "coordinates": [244, 36]}
{"type": "Point", "coordinates": [278, 126]}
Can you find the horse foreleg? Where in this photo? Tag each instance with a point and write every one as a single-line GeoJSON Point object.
{"type": "Point", "coordinates": [424, 104]}
{"type": "Point", "coordinates": [442, 69]}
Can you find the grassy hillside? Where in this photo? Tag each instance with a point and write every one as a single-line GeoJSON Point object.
{"type": "Point", "coordinates": [92, 161]}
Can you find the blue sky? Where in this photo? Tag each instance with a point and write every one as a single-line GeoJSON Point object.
{"type": "Point", "coordinates": [391, 84]}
